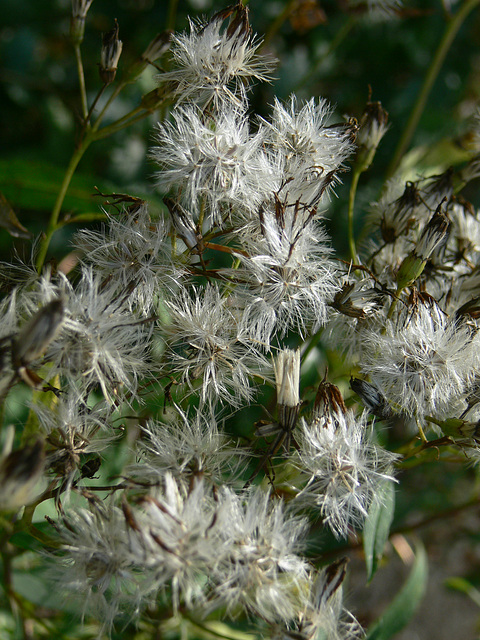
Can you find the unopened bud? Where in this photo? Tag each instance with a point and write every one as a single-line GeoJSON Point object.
{"type": "Point", "coordinates": [373, 126]}
{"type": "Point", "coordinates": [110, 55]}
{"type": "Point", "coordinates": [371, 397]}
{"type": "Point", "coordinates": [411, 268]}
{"type": "Point", "coordinates": [34, 338]}
{"type": "Point", "coordinates": [342, 302]}
{"type": "Point", "coordinates": [287, 377]}
{"type": "Point", "coordinates": [433, 236]}
{"type": "Point", "coordinates": [77, 22]}
{"type": "Point", "coordinates": [183, 223]}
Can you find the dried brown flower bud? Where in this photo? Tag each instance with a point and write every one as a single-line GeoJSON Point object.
{"type": "Point", "coordinates": [157, 47]}
{"type": "Point", "coordinates": [34, 338]}
{"type": "Point", "coordinates": [20, 472]}
{"type": "Point", "coordinates": [156, 97]}
{"type": "Point", "coordinates": [373, 126]}
{"type": "Point", "coordinates": [371, 397]}
{"type": "Point", "coordinates": [342, 302]}
{"type": "Point", "coordinates": [434, 235]}
{"type": "Point", "coordinates": [329, 400]}
{"type": "Point", "coordinates": [111, 51]}
{"type": "Point", "coordinates": [397, 219]}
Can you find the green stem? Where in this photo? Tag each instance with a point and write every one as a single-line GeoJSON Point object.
{"type": "Point", "coordinates": [53, 222]}
{"type": "Point", "coordinates": [94, 104]}
{"type": "Point", "coordinates": [93, 135]}
{"type": "Point", "coordinates": [105, 107]}
{"type": "Point", "coordinates": [81, 217]}
{"type": "Point", "coordinates": [432, 73]}
{"type": "Point", "coordinates": [7, 581]}
{"type": "Point", "coordinates": [122, 123]}
{"type": "Point", "coordinates": [351, 205]}
{"type": "Point", "coordinates": [172, 14]}
{"type": "Point", "coordinates": [394, 304]}
{"type": "Point", "coordinates": [392, 308]}
{"type": "Point", "coordinates": [81, 80]}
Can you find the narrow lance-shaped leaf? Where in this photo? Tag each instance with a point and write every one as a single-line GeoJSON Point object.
{"type": "Point", "coordinates": [405, 603]}
{"type": "Point", "coordinates": [377, 526]}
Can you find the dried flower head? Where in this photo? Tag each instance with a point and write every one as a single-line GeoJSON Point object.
{"type": "Point", "coordinates": [189, 447]}
{"type": "Point", "coordinates": [213, 63]}
{"type": "Point", "coordinates": [132, 254]}
{"type": "Point", "coordinates": [286, 277]}
{"type": "Point", "coordinates": [343, 467]}
{"type": "Point", "coordinates": [77, 23]}
{"type": "Point", "coordinates": [423, 364]}
{"type": "Point", "coordinates": [206, 347]}
{"type": "Point", "coordinates": [213, 164]}
{"type": "Point", "coordinates": [102, 342]}
{"type": "Point", "coordinates": [262, 571]}
{"type": "Point", "coordinates": [308, 151]}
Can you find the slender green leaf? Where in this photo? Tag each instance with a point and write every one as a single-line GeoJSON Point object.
{"type": "Point", "coordinates": [405, 603]}
{"type": "Point", "coordinates": [377, 526]}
